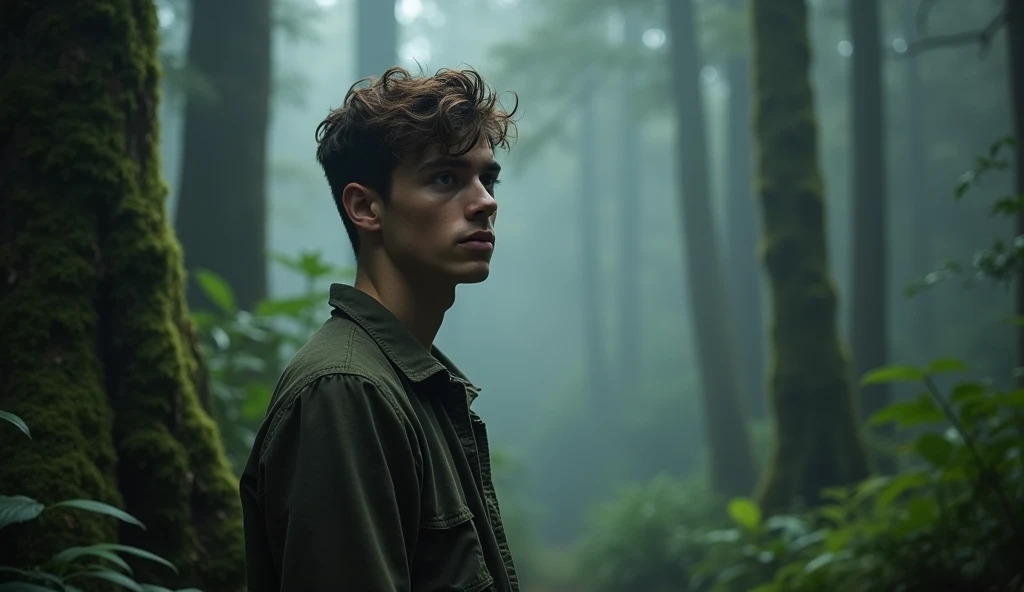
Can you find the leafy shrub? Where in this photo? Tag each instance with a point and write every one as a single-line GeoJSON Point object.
{"type": "Point", "coordinates": [64, 571]}
{"type": "Point", "coordinates": [952, 522]}
{"type": "Point", "coordinates": [244, 350]}
{"type": "Point", "coordinates": [649, 538]}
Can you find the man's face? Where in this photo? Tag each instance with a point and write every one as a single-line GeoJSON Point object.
{"type": "Point", "coordinates": [438, 224]}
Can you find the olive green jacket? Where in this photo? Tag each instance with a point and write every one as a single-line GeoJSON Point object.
{"type": "Point", "coordinates": [370, 472]}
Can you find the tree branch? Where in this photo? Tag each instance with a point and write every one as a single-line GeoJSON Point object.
{"type": "Point", "coordinates": [983, 37]}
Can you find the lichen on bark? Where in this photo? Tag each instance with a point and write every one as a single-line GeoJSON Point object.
{"type": "Point", "coordinates": [93, 332]}
{"type": "Point", "coordinates": [817, 439]}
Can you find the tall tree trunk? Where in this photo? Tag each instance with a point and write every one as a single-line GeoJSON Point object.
{"type": "Point", "coordinates": [923, 319]}
{"type": "Point", "coordinates": [376, 37]}
{"type": "Point", "coordinates": [93, 348]}
{"type": "Point", "coordinates": [817, 442]}
{"type": "Point", "coordinates": [870, 319]}
{"type": "Point", "coordinates": [732, 464]}
{"type": "Point", "coordinates": [590, 301]}
{"type": "Point", "coordinates": [1015, 50]}
{"type": "Point", "coordinates": [629, 210]}
{"type": "Point", "coordinates": [222, 203]}
{"type": "Point", "coordinates": [745, 276]}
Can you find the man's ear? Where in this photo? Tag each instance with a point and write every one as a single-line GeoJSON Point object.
{"type": "Point", "coordinates": [362, 205]}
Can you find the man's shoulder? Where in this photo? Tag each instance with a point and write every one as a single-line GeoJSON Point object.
{"type": "Point", "coordinates": [339, 347]}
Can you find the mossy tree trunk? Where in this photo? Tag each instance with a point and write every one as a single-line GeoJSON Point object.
{"type": "Point", "coordinates": [733, 471]}
{"type": "Point", "coordinates": [94, 333]}
{"type": "Point", "coordinates": [221, 216]}
{"type": "Point", "coordinates": [817, 440]}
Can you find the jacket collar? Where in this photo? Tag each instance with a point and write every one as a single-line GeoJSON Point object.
{"type": "Point", "coordinates": [394, 338]}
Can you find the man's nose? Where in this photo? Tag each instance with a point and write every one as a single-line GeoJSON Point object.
{"type": "Point", "coordinates": [481, 203]}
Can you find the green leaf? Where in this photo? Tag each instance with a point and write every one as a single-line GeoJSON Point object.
{"type": "Point", "coordinates": [934, 448]}
{"type": "Point", "coordinates": [897, 485]}
{"type": "Point", "coordinates": [921, 513]}
{"type": "Point", "coordinates": [944, 365]}
{"type": "Point", "coordinates": [135, 551]}
{"type": "Point", "coordinates": [17, 421]}
{"type": "Point", "coordinates": [100, 508]}
{"type": "Point", "coordinates": [745, 513]}
{"type": "Point", "coordinates": [217, 290]}
{"type": "Point", "coordinates": [921, 410]}
{"type": "Point", "coordinates": [289, 307]}
{"type": "Point", "coordinates": [23, 587]}
{"type": "Point", "coordinates": [72, 553]}
{"type": "Point", "coordinates": [820, 561]}
{"type": "Point", "coordinates": [967, 391]}
{"type": "Point", "coordinates": [887, 374]}
{"type": "Point", "coordinates": [34, 574]}
{"type": "Point", "coordinates": [1013, 399]}
{"type": "Point", "coordinates": [18, 508]}
{"type": "Point", "coordinates": [257, 399]}
{"type": "Point", "coordinates": [111, 576]}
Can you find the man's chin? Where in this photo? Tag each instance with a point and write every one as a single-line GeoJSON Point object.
{"type": "Point", "coordinates": [473, 274]}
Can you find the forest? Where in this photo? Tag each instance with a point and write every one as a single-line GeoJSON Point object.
{"type": "Point", "coordinates": [765, 332]}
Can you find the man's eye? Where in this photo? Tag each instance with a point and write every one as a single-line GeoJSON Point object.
{"type": "Point", "coordinates": [444, 179]}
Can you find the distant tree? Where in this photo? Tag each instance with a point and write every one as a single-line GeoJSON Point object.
{"type": "Point", "coordinates": [568, 50]}
{"type": "Point", "coordinates": [744, 276]}
{"type": "Point", "coordinates": [221, 216]}
{"type": "Point", "coordinates": [731, 462]}
{"type": "Point", "coordinates": [96, 349]}
{"type": "Point", "coordinates": [817, 439]}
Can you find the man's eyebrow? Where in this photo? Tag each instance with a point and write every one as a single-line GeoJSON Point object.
{"type": "Point", "coordinates": [458, 163]}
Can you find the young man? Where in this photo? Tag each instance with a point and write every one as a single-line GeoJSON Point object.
{"type": "Point", "coordinates": [371, 473]}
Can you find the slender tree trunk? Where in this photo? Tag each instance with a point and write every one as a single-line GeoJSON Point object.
{"type": "Point", "coordinates": [1015, 48]}
{"type": "Point", "coordinates": [732, 465]}
{"type": "Point", "coordinates": [376, 37]}
{"type": "Point", "coordinates": [746, 278]}
{"type": "Point", "coordinates": [923, 315]}
{"type": "Point", "coordinates": [590, 301]}
{"type": "Point", "coordinates": [817, 442]}
{"type": "Point", "coordinates": [630, 207]}
{"type": "Point", "coordinates": [222, 204]}
{"type": "Point", "coordinates": [93, 347]}
{"type": "Point", "coordinates": [869, 324]}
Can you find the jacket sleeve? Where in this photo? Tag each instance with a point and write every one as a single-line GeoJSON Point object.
{"type": "Point", "coordinates": [341, 493]}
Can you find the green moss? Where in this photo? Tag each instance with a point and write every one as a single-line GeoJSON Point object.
{"type": "Point", "coordinates": [818, 441]}
{"type": "Point", "coordinates": [92, 300]}
{"type": "Point", "coordinates": [50, 371]}
{"type": "Point", "coordinates": [170, 450]}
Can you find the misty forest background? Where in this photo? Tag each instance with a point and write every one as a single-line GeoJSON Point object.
{"type": "Point", "coordinates": [752, 324]}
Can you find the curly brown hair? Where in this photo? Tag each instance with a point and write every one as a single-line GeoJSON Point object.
{"type": "Point", "coordinates": [398, 115]}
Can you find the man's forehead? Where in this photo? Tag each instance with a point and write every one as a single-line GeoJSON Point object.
{"type": "Point", "coordinates": [481, 155]}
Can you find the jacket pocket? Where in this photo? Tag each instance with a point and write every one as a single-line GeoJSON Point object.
{"type": "Point", "coordinates": [448, 555]}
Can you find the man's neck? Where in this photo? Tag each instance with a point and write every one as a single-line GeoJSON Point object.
{"type": "Point", "coordinates": [420, 307]}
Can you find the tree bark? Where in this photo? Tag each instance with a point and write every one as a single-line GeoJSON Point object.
{"type": "Point", "coordinates": [870, 307]}
{"type": "Point", "coordinates": [222, 203]}
{"type": "Point", "coordinates": [923, 317]}
{"type": "Point", "coordinates": [732, 465]}
{"type": "Point", "coordinates": [746, 278]}
{"type": "Point", "coordinates": [1015, 51]}
{"type": "Point", "coordinates": [93, 347]}
{"type": "Point", "coordinates": [817, 442]}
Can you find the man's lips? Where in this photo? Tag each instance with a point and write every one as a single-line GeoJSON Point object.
{"type": "Point", "coordinates": [479, 237]}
